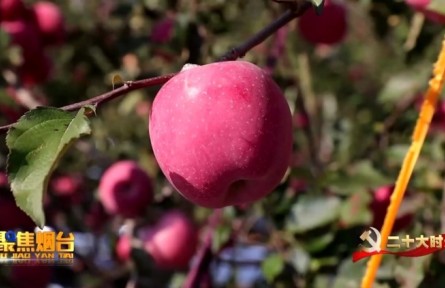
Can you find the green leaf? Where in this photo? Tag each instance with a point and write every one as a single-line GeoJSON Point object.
{"type": "Point", "coordinates": [318, 243]}
{"type": "Point", "coordinates": [437, 6]}
{"type": "Point", "coordinates": [220, 237]}
{"type": "Point", "coordinates": [272, 266]}
{"type": "Point", "coordinates": [36, 143]}
{"type": "Point", "coordinates": [403, 85]}
{"type": "Point", "coordinates": [361, 176]}
{"type": "Point", "coordinates": [301, 260]}
{"type": "Point", "coordinates": [312, 212]}
{"type": "Point", "coordinates": [317, 3]}
{"type": "Point", "coordinates": [354, 211]}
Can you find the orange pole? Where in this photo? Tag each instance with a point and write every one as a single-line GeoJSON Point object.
{"type": "Point", "coordinates": [418, 138]}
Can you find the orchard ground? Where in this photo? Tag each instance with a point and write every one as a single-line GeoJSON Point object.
{"type": "Point", "coordinates": [259, 172]}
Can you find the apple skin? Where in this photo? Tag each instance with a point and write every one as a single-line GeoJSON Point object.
{"type": "Point", "coordinates": [12, 217]}
{"type": "Point", "coordinates": [123, 248]}
{"type": "Point", "coordinates": [172, 242]}
{"type": "Point", "coordinates": [222, 133]}
{"type": "Point", "coordinates": [125, 189]}
{"type": "Point", "coordinates": [50, 22]}
{"type": "Point", "coordinates": [39, 275]}
{"type": "Point", "coordinates": [328, 28]}
{"type": "Point", "coordinates": [65, 185]}
{"type": "Point", "coordinates": [422, 6]}
{"type": "Point", "coordinates": [379, 206]}
{"type": "Point", "coordinates": [11, 10]}
{"type": "Point", "coordinates": [96, 218]}
{"type": "Point", "coordinates": [36, 71]}
{"type": "Point", "coordinates": [25, 35]}
{"type": "Point", "coordinates": [162, 31]}
{"type": "Point", "coordinates": [36, 67]}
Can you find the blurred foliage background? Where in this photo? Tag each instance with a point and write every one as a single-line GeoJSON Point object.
{"type": "Point", "coordinates": [354, 104]}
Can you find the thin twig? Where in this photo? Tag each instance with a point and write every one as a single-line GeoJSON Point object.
{"type": "Point", "coordinates": [106, 97]}
{"type": "Point", "coordinates": [286, 17]}
{"type": "Point", "coordinates": [300, 104]}
{"type": "Point", "coordinates": [233, 54]}
{"type": "Point", "coordinates": [205, 255]}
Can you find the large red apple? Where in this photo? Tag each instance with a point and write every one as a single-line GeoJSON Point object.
{"type": "Point", "coordinates": [379, 206]}
{"type": "Point", "coordinates": [422, 6]}
{"type": "Point", "coordinates": [222, 133]}
{"type": "Point", "coordinates": [172, 241]}
{"type": "Point", "coordinates": [125, 189]}
{"type": "Point", "coordinates": [11, 10]}
{"type": "Point", "coordinates": [330, 27]}
{"type": "Point", "coordinates": [50, 22]}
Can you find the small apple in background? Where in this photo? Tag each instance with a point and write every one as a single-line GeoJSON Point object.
{"type": "Point", "coordinates": [96, 218]}
{"type": "Point", "coordinates": [68, 189]}
{"type": "Point", "coordinates": [222, 133]}
{"type": "Point", "coordinates": [162, 31]}
{"type": "Point", "coordinates": [25, 35]}
{"type": "Point", "coordinates": [422, 6]}
{"type": "Point", "coordinates": [379, 206]}
{"type": "Point", "coordinates": [35, 276]}
{"type": "Point", "coordinates": [12, 217]}
{"type": "Point", "coordinates": [3, 180]}
{"type": "Point", "coordinates": [65, 185]}
{"type": "Point", "coordinates": [11, 10]}
{"type": "Point", "coordinates": [36, 70]}
{"type": "Point", "coordinates": [125, 189]}
{"type": "Point", "coordinates": [50, 22]}
{"type": "Point", "coordinates": [36, 67]}
{"type": "Point", "coordinates": [123, 248]}
{"type": "Point", "coordinates": [172, 242]}
{"type": "Point", "coordinates": [330, 27]}
{"type": "Point", "coordinates": [301, 120]}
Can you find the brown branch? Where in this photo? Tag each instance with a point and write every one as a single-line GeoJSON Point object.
{"type": "Point", "coordinates": [106, 97]}
{"type": "Point", "coordinates": [205, 254]}
{"type": "Point", "coordinates": [286, 17]}
{"type": "Point", "coordinates": [233, 54]}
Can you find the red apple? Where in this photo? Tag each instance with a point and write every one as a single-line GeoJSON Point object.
{"type": "Point", "coordinates": [162, 31]}
{"type": "Point", "coordinates": [222, 133]}
{"type": "Point", "coordinates": [422, 6]}
{"type": "Point", "coordinates": [123, 248]}
{"type": "Point", "coordinates": [64, 185]}
{"type": "Point", "coordinates": [9, 113]}
{"type": "Point", "coordinates": [12, 217]}
{"type": "Point", "coordinates": [125, 189]}
{"type": "Point", "coordinates": [50, 22]}
{"type": "Point", "coordinates": [330, 27]}
{"type": "Point", "coordinates": [36, 276]}
{"type": "Point", "coordinates": [3, 180]}
{"type": "Point", "coordinates": [68, 190]}
{"type": "Point", "coordinates": [11, 10]}
{"type": "Point", "coordinates": [172, 242]}
{"type": "Point", "coordinates": [96, 217]}
{"type": "Point", "coordinates": [25, 35]}
{"type": "Point", "coordinates": [379, 207]}
{"type": "Point", "coordinates": [36, 71]}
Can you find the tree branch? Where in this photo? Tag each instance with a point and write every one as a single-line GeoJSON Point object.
{"type": "Point", "coordinates": [286, 17]}
{"type": "Point", "coordinates": [233, 54]}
